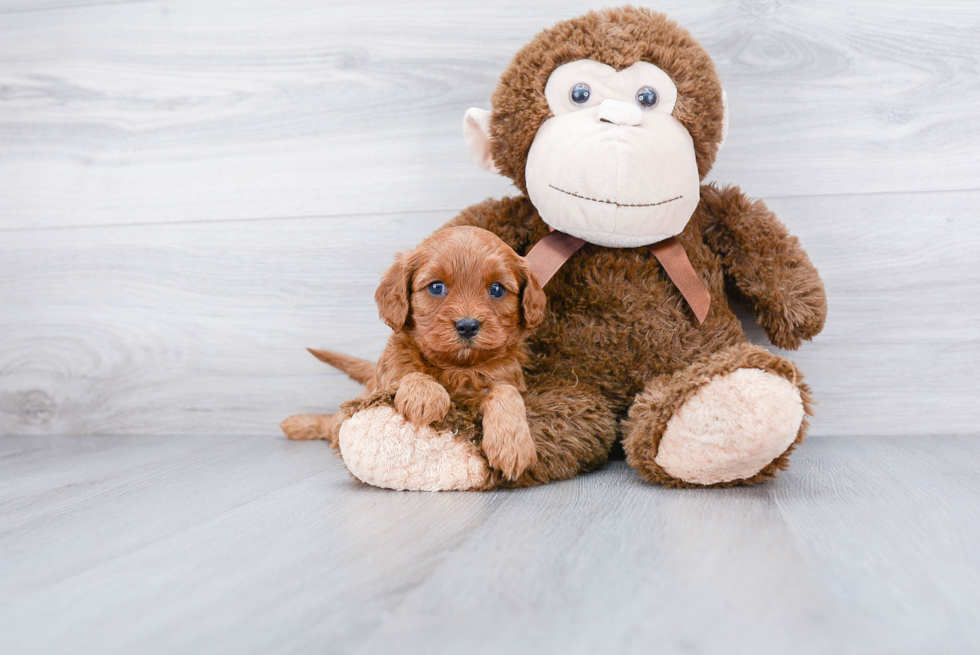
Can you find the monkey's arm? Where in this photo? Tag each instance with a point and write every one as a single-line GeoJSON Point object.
{"type": "Point", "coordinates": [767, 264]}
{"type": "Point", "coordinates": [513, 219]}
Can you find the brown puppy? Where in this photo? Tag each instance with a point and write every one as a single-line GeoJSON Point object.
{"type": "Point", "coordinates": [461, 306]}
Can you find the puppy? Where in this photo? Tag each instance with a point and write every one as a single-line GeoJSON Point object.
{"type": "Point", "coordinates": [461, 306]}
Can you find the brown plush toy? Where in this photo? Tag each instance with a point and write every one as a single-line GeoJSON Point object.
{"type": "Point", "coordinates": [607, 124]}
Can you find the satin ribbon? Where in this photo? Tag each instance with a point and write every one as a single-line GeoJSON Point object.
{"type": "Point", "coordinates": [550, 253]}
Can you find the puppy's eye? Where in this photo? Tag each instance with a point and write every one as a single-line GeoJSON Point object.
{"type": "Point", "coordinates": [437, 289]}
{"type": "Point", "coordinates": [580, 94]}
{"type": "Point", "coordinates": [497, 290]}
{"type": "Point", "coordinates": [647, 97]}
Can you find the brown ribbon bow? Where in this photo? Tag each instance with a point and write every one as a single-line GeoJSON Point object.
{"type": "Point", "coordinates": [551, 252]}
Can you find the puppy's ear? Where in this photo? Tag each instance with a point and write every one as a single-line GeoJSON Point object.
{"type": "Point", "coordinates": [533, 299]}
{"type": "Point", "coordinates": [392, 294]}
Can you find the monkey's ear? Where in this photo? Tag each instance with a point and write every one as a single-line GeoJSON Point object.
{"type": "Point", "coordinates": [533, 300]}
{"type": "Point", "coordinates": [724, 120]}
{"type": "Point", "coordinates": [476, 132]}
{"type": "Point", "coordinates": [392, 294]}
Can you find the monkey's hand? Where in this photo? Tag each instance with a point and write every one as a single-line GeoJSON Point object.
{"type": "Point", "coordinates": [507, 438]}
{"type": "Point", "coordinates": [421, 400]}
{"type": "Point", "coordinates": [796, 311]}
{"type": "Point", "coordinates": [767, 264]}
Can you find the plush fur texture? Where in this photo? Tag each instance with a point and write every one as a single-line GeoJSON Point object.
{"type": "Point", "coordinates": [619, 353]}
{"type": "Point", "coordinates": [429, 365]}
{"type": "Point", "coordinates": [409, 457]}
{"type": "Point", "coordinates": [617, 326]}
{"type": "Point", "coordinates": [667, 396]}
{"type": "Point", "coordinates": [619, 38]}
{"type": "Point", "coordinates": [572, 428]}
{"type": "Point", "coordinates": [731, 428]}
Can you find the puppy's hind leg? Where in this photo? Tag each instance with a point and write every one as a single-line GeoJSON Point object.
{"type": "Point", "coordinates": [303, 427]}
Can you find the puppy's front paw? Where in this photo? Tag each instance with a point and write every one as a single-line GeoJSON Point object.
{"type": "Point", "coordinates": [421, 400]}
{"type": "Point", "coordinates": [507, 438]}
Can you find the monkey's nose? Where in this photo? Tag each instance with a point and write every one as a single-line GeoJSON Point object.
{"type": "Point", "coordinates": [467, 327]}
{"type": "Point", "coordinates": [619, 113]}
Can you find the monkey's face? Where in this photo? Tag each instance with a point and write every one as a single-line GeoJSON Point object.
{"type": "Point", "coordinates": [612, 165]}
{"type": "Point", "coordinates": [608, 122]}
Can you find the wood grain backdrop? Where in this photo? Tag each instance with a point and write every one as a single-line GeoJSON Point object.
{"type": "Point", "coordinates": [191, 192]}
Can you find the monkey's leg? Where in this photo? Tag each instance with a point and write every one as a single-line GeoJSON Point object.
{"type": "Point", "coordinates": [572, 427]}
{"type": "Point", "coordinates": [729, 418]}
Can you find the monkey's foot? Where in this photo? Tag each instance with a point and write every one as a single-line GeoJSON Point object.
{"type": "Point", "coordinates": [730, 419]}
{"type": "Point", "coordinates": [383, 449]}
{"type": "Point", "coordinates": [731, 428]}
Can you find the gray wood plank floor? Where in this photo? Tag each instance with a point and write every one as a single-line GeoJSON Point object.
{"type": "Point", "coordinates": [257, 545]}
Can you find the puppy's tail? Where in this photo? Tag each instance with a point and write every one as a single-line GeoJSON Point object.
{"type": "Point", "coordinates": [359, 370]}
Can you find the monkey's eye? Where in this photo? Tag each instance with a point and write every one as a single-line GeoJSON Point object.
{"type": "Point", "coordinates": [647, 97]}
{"type": "Point", "coordinates": [437, 288]}
{"type": "Point", "coordinates": [497, 290]}
{"type": "Point", "coordinates": [580, 94]}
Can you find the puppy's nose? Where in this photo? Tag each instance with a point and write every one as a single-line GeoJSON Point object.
{"type": "Point", "coordinates": [467, 327]}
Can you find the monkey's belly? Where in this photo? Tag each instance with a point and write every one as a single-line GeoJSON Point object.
{"type": "Point", "coordinates": [622, 341]}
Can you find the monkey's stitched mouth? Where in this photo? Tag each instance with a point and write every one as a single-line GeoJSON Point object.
{"type": "Point", "coordinates": [613, 202]}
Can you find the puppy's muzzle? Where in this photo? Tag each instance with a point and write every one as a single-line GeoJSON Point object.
{"type": "Point", "coordinates": [467, 327]}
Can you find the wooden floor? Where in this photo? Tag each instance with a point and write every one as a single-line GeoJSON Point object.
{"type": "Point", "coordinates": [257, 545]}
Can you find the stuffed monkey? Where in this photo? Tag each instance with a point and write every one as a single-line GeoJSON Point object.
{"type": "Point", "coordinates": [607, 124]}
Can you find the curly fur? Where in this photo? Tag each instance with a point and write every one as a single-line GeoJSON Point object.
{"type": "Point", "coordinates": [506, 435]}
{"type": "Point", "coordinates": [428, 365]}
{"type": "Point", "coordinates": [654, 408]}
{"type": "Point", "coordinates": [620, 351]}
{"type": "Point", "coordinates": [619, 38]}
{"type": "Point", "coordinates": [618, 330]}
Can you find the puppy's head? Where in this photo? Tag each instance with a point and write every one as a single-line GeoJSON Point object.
{"type": "Point", "coordinates": [464, 295]}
